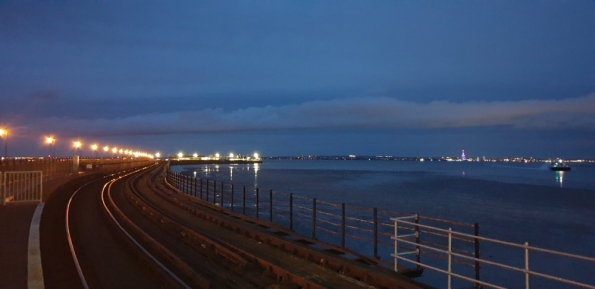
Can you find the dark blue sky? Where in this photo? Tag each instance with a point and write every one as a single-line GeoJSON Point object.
{"type": "Point", "coordinates": [428, 78]}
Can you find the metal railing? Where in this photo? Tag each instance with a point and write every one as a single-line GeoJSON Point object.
{"type": "Point", "coordinates": [21, 186]}
{"type": "Point", "coordinates": [451, 254]}
{"type": "Point", "coordinates": [367, 231]}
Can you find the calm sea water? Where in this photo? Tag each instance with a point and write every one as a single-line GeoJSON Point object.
{"type": "Point", "coordinates": [511, 201]}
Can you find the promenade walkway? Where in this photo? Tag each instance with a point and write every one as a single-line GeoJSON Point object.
{"type": "Point", "coordinates": [20, 260]}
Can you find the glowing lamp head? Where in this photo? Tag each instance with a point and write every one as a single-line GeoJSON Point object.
{"type": "Point", "coordinates": [195, 155]}
{"type": "Point", "coordinates": [77, 144]}
{"type": "Point", "coordinates": [217, 155]}
{"type": "Point", "coordinates": [49, 140]}
{"type": "Point", "coordinates": [3, 132]}
{"type": "Point", "coordinates": [158, 155]}
{"type": "Point", "coordinates": [105, 148]}
{"type": "Point", "coordinates": [256, 155]}
{"type": "Point", "coordinates": [180, 154]}
{"type": "Point", "coordinates": [94, 147]}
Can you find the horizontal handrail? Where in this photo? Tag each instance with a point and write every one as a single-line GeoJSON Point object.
{"type": "Point", "coordinates": [450, 253]}
{"type": "Point", "coordinates": [512, 268]}
{"type": "Point", "coordinates": [450, 273]}
{"type": "Point", "coordinates": [589, 259]}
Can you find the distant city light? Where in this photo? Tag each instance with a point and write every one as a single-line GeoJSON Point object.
{"type": "Point", "coordinates": [158, 155]}
{"type": "Point", "coordinates": [256, 155]}
{"type": "Point", "coordinates": [195, 155]}
{"type": "Point", "coordinates": [180, 154]}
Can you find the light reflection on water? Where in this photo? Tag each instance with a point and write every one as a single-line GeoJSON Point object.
{"type": "Point", "coordinates": [397, 172]}
{"type": "Point", "coordinates": [560, 178]}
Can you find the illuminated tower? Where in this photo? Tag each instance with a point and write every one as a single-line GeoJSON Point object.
{"type": "Point", "coordinates": [463, 155]}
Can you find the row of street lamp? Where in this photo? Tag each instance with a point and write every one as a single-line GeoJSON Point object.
{"type": "Point", "coordinates": [115, 150]}
{"type": "Point", "coordinates": [51, 141]}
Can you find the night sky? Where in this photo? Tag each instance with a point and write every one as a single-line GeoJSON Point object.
{"type": "Point", "coordinates": [400, 78]}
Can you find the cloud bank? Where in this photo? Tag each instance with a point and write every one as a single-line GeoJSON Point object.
{"type": "Point", "coordinates": [366, 112]}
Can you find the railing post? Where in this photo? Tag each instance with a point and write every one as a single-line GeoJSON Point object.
{"type": "Point", "coordinates": [526, 265]}
{"type": "Point", "coordinates": [291, 212]}
{"type": "Point", "coordinates": [314, 218]}
{"type": "Point", "coordinates": [271, 206]}
{"type": "Point", "coordinates": [222, 195]}
{"type": "Point", "coordinates": [186, 184]}
{"type": "Point", "coordinates": [194, 187]}
{"type": "Point", "coordinates": [232, 197]}
{"type": "Point", "coordinates": [477, 265]}
{"type": "Point", "coordinates": [201, 188]}
{"type": "Point", "coordinates": [342, 225]}
{"type": "Point", "coordinates": [449, 257]}
{"type": "Point", "coordinates": [257, 202]}
{"type": "Point", "coordinates": [375, 220]}
{"type": "Point", "coordinates": [244, 200]}
{"type": "Point", "coordinates": [417, 242]}
{"type": "Point", "coordinates": [207, 197]}
{"type": "Point", "coordinates": [215, 192]}
{"type": "Point", "coordinates": [396, 268]}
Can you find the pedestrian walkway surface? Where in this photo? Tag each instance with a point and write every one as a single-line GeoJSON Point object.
{"type": "Point", "coordinates": [15, 250]}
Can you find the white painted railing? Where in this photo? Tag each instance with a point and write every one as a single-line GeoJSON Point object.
{"type": "Point", "coordinates": [23, 186]}
{"type": "Point", "coordinates": [449, 254]}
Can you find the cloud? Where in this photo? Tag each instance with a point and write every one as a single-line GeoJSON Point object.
{"type": "Point", "coordinates": [374, 112]}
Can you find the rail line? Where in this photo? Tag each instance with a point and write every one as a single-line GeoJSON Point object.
{"type": "Point", "coordinates": [241, 258]}
{"type": "Point", "coordinates": [141, 252]}
{"type": "Point", "coordinates": [112, 210]}
{"type": "Point", "coordinates": [168, 232]}
{"type": "Point", "coordinates": [69, 238]}
{"type": "Point", "coordinates": [329, 257]}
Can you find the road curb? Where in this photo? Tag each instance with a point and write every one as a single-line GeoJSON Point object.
{"type": "Point", "coordinates": [34, 268]}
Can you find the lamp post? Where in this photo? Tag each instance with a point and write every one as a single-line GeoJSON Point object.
{"type": "Point", "coordinates": [51, 141]}
{"type": "Point", "coordinates": [77, 145]}
{"type": "Point", "coordinates": [4, 135]}
{"type": "Point", "coordinates": [94, 148]}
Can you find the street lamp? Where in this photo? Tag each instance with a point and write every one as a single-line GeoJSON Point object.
{"type": "Point", "coordinates": [4, 135]}
{"type": "Point", "coordinates": [94, 148]}
{"type": "Point", "coordinates": [51, 141]}
{"type": "Point", "coordinates": [77, 145]}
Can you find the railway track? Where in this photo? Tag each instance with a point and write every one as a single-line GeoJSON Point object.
{"type": "Point", "coordinates": [115, 224]}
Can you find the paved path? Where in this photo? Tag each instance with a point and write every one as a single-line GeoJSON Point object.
{"type": "Point", "coordinates": [16, 228]}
